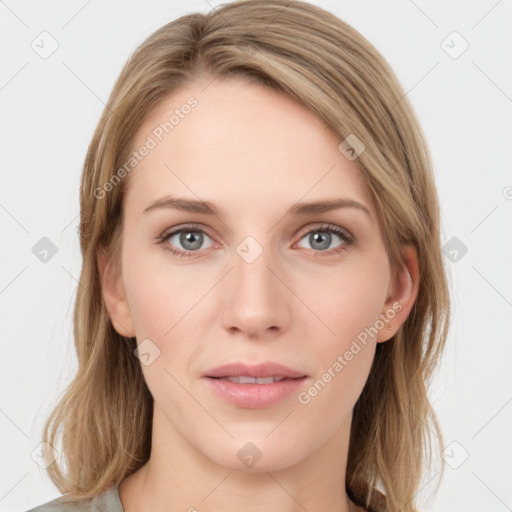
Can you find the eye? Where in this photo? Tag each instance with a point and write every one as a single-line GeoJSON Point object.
{"type": "Point", "coordinates": [321, 238]}
{"type": "Point", "coordinates": [191, 238]}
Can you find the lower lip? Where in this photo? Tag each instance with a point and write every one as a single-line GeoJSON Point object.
{"type": "Point", "coordinates": [255, 396]}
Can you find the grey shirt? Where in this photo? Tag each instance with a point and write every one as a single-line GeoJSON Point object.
{"type": "Point", "coordinates": [107, 501]}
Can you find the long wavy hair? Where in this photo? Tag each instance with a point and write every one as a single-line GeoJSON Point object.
{"type": "Point", "coordinates": [104, 418]}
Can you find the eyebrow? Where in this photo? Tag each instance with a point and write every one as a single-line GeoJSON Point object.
{"type": "Point", "coordinates": [208, 208]}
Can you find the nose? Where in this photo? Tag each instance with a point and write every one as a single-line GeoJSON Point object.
{"type": "Point", "coordinates": [256, 300]}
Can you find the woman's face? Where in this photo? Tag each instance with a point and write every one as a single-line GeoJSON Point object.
{"type": "Point", "coordinates": [258, 281]}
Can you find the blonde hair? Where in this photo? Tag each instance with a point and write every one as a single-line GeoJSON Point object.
{"type": "Point", "coordinates": [105, 415]}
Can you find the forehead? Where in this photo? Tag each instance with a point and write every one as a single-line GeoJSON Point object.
{"type": "Point", "coordinates": [241, 144]}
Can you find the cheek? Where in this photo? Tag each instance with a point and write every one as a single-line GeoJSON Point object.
{"type": "Point", "coordinates": [159, 294]}
{"type": "Point", "coordinates": [344, 332]}
{"type": "Point", "coordinates": [169, 306]}
{"type": "Point", "coordinates": [151, 303]}
{"type": "Point", "coordinates": [345, 301]}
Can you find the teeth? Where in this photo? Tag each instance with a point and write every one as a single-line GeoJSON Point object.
{"type": "Point", "coordinates": [242, 379]}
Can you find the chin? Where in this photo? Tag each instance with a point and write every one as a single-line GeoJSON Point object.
{"type": "Point", "coordinates": [257, 453]}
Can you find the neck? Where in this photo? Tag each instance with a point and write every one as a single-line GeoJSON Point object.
{"type": "Point", "coordinates": [179, 477]}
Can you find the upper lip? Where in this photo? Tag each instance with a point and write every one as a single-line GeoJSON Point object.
{"type": "Point", "coordinates": [266, 369]}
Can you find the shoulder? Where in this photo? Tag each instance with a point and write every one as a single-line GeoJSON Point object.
{"type": "Point", "coordinates": [107, 501]}
{"type": "Point", "coordinates": [63, 504]}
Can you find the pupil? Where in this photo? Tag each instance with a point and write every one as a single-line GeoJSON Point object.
{"type": "Point", "coordinates": [326, 237]}
{"type": "Point", "coordinates": [194, 238]}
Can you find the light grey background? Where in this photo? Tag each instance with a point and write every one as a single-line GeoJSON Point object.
{"type": "Point", "coordinates": [50, 107]}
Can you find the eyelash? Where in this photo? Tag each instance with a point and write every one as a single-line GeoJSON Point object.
{"type": "Point", "coordinates": [329, 228]}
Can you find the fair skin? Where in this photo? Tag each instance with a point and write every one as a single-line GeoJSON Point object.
{"type": "Point", "coordinates": [253, 153]}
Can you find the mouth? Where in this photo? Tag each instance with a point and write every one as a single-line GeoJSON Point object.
{"type": "Point", "coordinates": [254, 387]}
{"type": "Point", "coordinates": [251, 374]}
{"type": "Point", "coordinates": [244, 379]}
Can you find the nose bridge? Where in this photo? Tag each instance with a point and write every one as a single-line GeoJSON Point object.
{"type": "Point", "coordinates": [252, 278]}
{"type": "Point", "coordinates": [256, 298]}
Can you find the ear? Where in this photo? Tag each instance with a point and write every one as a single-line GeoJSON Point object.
{"type": "Point", "coordinates": [114, 296]}
{"type": "Point", "coordinates": [402, 294]}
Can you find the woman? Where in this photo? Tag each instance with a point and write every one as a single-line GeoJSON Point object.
{"type": "Point", "coordinates": [263, 297]}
